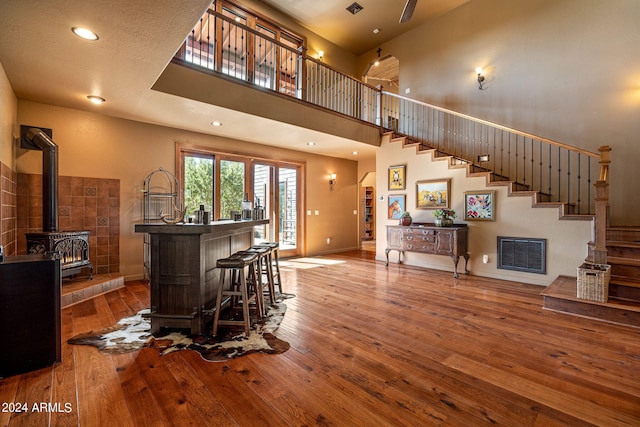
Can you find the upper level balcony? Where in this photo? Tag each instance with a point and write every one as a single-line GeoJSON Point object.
{"type": "Point", "coordinates": [228, 64]}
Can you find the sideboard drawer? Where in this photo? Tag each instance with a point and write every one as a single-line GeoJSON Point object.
{"type": "Point", "coordinates": [419, 232]}
{"type": "Point", "coordinates": [419, 237]}
{"type": "Point", "coordinates": [419, 240]}
{"type": "Point", "coordinates": [418, 246]}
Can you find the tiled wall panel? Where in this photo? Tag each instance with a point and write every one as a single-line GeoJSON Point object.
{"type": "Point", "coordinates": [91, 204]}
{"type": "Point", "coordinates": [8, 210]}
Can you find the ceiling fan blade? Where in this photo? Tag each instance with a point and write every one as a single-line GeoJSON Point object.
{"type": "Point", "coordinates": [408, 11]}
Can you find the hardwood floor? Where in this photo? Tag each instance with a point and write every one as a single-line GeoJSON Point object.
{"type": "Point", "coordinates": [370, 346]}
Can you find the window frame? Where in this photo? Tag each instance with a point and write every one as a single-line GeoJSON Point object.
{"type": "Point", "coordinates": [186, 149]}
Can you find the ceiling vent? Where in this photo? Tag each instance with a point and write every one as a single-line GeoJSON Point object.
{"type": "Point", "coordinates": [354, 8]}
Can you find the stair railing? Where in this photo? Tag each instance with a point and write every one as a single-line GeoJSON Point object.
{"type": "Point", "coordinates": [556, 172]}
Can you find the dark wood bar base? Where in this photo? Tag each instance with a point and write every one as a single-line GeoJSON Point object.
{"type": "Point", "coordinates": [429, 239]}
{"type": "Point", "coordinates": [184, 280]}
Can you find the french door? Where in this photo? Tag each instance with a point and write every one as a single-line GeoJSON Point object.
{"type": "Point", "coordinates": [277, 188]}
{"type": "Point", "coordinates": [220, 180]}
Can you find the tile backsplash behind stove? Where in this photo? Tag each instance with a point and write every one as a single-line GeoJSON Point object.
{"type": "Point", "coordinates": [91, 204]}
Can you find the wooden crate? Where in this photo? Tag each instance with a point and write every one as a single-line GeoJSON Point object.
{"type": "Point", "coordinates": [593, 281]}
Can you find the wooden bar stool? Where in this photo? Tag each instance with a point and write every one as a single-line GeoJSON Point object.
{"type": "Point", "coordinates": [265, 269]}
{"type": "Point", "coordinates": [243, 289]}
{"type": "Point", "coordinates": [274, 261]}
{"type": "Point", "coordinates": [260, 284]}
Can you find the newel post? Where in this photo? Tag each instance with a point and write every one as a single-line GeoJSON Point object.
{"type": "Point", "coordinates": [602, 205]}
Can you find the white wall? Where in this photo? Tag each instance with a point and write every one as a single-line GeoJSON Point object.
{"type": "Point", "coordinates": [515, 217]}
{"type": "Point", "coordinates": [567, 70]}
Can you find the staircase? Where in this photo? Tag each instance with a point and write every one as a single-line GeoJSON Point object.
{"type": "Point", "coordinates": [623, 254]}
{"type": "Point", "coordinates": [540, 199]}
{"type": "Point", "coordinates": [623, 305]}
{"type": "Point", "coordinates": [617, 246]}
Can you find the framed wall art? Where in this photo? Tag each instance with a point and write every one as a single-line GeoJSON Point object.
{"type": "Point", "coordinates": [397, 203]}
{"type": "Point", "coordinates": [435, 194]}
{"type": "Point", "coordinates": [397, 177]}
{"type": "Point", "coordinates": [479, 205]}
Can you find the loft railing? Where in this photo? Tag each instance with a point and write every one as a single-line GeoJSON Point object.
{"type": "Point", "coordinates": [556, 171]}
{"type": "Point", "coordinates": [220, 44]}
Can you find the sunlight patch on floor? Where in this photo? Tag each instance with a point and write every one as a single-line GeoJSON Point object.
{"type": "Point", "coordinates": [304, 263]}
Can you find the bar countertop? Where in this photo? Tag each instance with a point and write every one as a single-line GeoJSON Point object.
{"type": "Point", "coordinates": [221, 226]}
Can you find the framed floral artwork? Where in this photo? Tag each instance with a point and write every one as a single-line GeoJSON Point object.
{"type": "Point", "coordinates": [397, 177]}
{"type": "Point", "coordinates": [479, 205]}
{"type": "Point", "coordinates": [397, 203]}
{"type": "Point", "coordinates": [435, 194]}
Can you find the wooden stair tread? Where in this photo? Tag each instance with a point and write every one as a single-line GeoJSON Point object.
{"type": "Point", "coordinates": [625, 281]}
{"type": "Point", "coordinates": [566, 287]}
{"type": "Point", "coordinates": [623, 261]}
{"type": "Point", "coordinates": [624, 243]}
{"type": "Point", "coordinates": [561, 296]}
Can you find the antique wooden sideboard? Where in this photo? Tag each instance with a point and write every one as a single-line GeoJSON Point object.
{"type": "Point", "coordinates": [184, 279]}
{"type": "Point", "coordinates": [426, 238]}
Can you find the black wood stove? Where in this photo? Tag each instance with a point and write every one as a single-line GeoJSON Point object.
{"type": "Point", "coordinates": [72, 246]}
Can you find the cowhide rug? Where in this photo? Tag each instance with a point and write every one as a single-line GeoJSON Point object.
{"type": "Point", "coordinates": [133, 333]}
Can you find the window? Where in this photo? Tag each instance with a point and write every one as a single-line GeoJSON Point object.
{"type": "Point", "coordinates": [232, 175]}
{"type": "Point", "coordinates": [220, 180]}
{"type": "Point", "coordinates": [232, 41]}
{"type": "Point", "coordinates": [198, 183]}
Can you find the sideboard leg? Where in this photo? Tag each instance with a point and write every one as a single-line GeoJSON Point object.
{"type": "Point", "coordinates": [466, 260]}
{"type": "Point", "coordinates": [455, 266]}
{"type": "Point", "coordinates": [386, 252]}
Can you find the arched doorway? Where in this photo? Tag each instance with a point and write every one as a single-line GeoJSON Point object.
{"type": "Point", "coordinates": [384, 72]}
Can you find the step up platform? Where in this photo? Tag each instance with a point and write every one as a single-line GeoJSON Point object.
{"type": "Point", "coordinates": [79, 289]}
{"type": "Point", "coordinates": [561, 296]}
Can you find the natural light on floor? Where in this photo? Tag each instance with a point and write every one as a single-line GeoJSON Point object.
{"type": "Point", "coordinates": [304, 263]}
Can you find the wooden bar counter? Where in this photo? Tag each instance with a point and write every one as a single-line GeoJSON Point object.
{"type": "Point", "coordinates": [184, 279]}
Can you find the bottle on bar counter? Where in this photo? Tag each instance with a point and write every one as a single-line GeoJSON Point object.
{"type": "Point", "coordinates": [247, 207]}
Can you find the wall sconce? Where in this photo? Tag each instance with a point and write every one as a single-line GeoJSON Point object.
{"type": "Point", "coordinates": [480, 78]}
{"type": "Point", "coordinates": [332, 181]}
{"type": "Point", "coordinates": [321, 55]}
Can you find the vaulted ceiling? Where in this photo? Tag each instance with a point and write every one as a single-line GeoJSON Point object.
{"type": "Point", "coordinates": [332, 20]}
{"type": "Point", "coordinates": [45, 62]}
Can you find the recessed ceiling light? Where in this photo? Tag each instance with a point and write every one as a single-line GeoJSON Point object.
{"type": "Point", "coordinates": [85, 34]}
{"type": "Point", "coordinates": [216, 124]}
{"type": "Point", "coordinates": [96, 99]}
{"type": "Point", "coordinates": [376, 30]}
{"type": "Point", "coordinates": [311, 143]}
{"type": "Point", "coordinates": [355, 153]}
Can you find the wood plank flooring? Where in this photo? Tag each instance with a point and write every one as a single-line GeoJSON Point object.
{"type": "Point", "coordinates": [370, 346]}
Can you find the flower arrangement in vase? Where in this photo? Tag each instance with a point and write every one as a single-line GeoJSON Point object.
{"type": "Point", "coordinates": [444, 217]}
{"type": "Point", "coordinates": [405, 218]}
